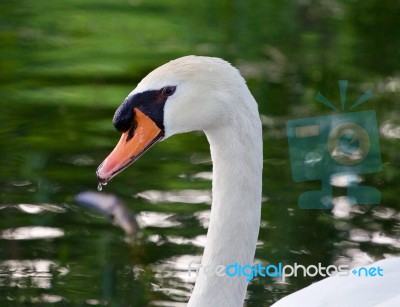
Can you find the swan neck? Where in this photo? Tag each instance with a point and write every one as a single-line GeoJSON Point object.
{"type": "Point", "coordinates": [236, 153]}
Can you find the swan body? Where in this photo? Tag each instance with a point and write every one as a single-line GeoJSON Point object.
{"type": "Point", "coordinates": [352, 290]}
{"type": "Point", "coordinates": [208, 94]}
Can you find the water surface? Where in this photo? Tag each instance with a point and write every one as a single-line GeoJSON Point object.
{"type": "Point", "coordinates": [66, 66]}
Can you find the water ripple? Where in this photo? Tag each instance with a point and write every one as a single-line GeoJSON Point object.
{"type": "Point", "coordinates": [31, 233]}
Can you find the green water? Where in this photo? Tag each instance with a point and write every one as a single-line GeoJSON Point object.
{"type": "Point", "coordinates": [67, 65]}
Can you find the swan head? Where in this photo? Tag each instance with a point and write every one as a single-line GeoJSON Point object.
{"type": "Point", "coordinates": [187, 94]}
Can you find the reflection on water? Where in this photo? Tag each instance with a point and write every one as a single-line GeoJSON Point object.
{"type": "Point", "coordinates": [182, 196]}
{"type": "Point", "coordinates": [390, 130]}
{"type": "Point", "coordinates": [31, 232]}
{"type": "Point", "coordinates": [36, 209]}
{"type": "Point", "coordinates": [203, 217]}
{"type": "Point", "coordinates": [112, 207]}
{"type": "Point", "coordinates": [344, 180]}
{"type": "Point", "coordinates": [197, 241]}
{"type": "Point", "coordinates": [29, 273]}
{"type": "Point", "coordinates": [67, 65]}
{"type": "Point", "coordinates": [156, 219]}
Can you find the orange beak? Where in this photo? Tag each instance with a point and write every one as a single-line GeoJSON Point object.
{"type": "Point", "coordinates": [130, 148]}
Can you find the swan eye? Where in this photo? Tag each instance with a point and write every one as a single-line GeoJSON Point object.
{"type": "Point", "coordinates": [168, 90]}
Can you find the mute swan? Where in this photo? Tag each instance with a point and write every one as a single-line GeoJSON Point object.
{"type": "Point", "coordinates": [208, 94]}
